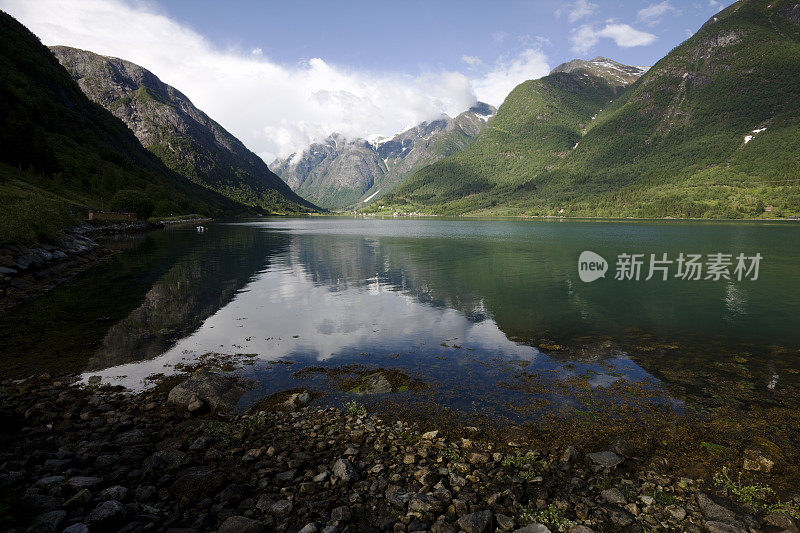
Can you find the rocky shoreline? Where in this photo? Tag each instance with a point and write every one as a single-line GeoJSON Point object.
{"type": "Point", "coordinates": [26, 271]}
{"type": "Point", "coordinates": [174, 459]}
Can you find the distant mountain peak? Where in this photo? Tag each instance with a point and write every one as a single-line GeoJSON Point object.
{"type": "Point", "coordinates": [340, 172]}
{"type": "Point", "coordinates": [612, 71]}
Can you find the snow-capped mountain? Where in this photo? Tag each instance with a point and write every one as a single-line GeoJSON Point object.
{"type": "Point", "coordinates": [341, 173]}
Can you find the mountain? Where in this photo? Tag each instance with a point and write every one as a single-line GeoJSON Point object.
{"type": "Point", "coordinates": [182, 136]}
{"type": "Point", "coordinates": [341, 173]}
{"type": "Point", "coordinates": [61, 153]}
{"type": "Point", "coordinates": [712, 130]}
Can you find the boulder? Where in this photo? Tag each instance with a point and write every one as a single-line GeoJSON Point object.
{"type": "Point", "coordinates": [480, 522]}
{"type": "Point", "coordinates": [757, 462]}
{"type": "Point", "coordinates": [376, 384]}
{"type": "Point", "coordinates": [240, 524]}
{"type": "Point", "coordinates": [605, 459]}
{"type": "Point", "coordinates": [344, 470]}
{"type": "Point", "coordinates": [219, 391]}
{"type": "Point", "coordinates": [198, 482]}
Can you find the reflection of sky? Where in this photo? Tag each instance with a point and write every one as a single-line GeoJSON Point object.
{"type": "Point", "coordinates": [283, 314]}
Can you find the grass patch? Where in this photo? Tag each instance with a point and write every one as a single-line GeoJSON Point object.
{"type": "Point", "coordinates": [759, 497]}
{"type": "Point", "coordinates": [551, 516]}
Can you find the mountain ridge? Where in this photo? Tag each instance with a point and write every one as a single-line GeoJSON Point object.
{"type": "Point", "coordinates": [60, 153]}
{"type": "Point", "coordinates": [339, 173]}
{"type": "Point", "coordinates": [184, 137]}
{"type": "Point", "coordinates": [708, 131]}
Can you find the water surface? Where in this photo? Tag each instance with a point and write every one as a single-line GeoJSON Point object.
{"type": "Point", "coordinates": [472, 308]}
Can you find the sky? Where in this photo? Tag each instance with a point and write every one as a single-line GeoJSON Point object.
{"type": "Point", "coordinates": [280, 75]}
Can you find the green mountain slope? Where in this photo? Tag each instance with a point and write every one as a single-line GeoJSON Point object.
{"type": "Point", "coordinates": [61, 153]}
{"type": "Point", "coordinates": [538, 125]}
{"type": "Point", "coordinates": [711, 130]}
{"type": "Point", "coordinates": [341, 173]}
{"type": "Point", "coordinates": [182, 136]}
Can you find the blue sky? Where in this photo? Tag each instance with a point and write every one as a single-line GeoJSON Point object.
{"type": "Point", "coordinates": [280, 75]}
{"type": "Point", "coordinates": [414, 36]}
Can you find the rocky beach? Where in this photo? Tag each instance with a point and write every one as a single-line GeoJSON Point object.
{"type": "Point", "coordinates": [177, 458]}
{"type": "Point", "coordinates": [28, 270]}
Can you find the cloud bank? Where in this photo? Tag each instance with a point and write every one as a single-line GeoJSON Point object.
{"type": "Point", "coordinates": [273, 108]}
{"type": "Point", "coordinates": [585, 37]}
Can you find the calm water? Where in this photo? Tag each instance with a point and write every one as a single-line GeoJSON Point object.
{"type": "Point", "coordinates": [472, 308]}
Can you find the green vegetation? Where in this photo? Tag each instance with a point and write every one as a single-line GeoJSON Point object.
{"type": "Point", "coordinates": [134, 202]}
{"type": "Point", "coordinates": [671, 144]}
{"type": "Point", "coordinates": [31, 214]}
{"type": "Point", "coordinates": [61, 154]}
{"type": "Point", "coordinates": [355, 408]}
{"type": "Point", "coordinates": [551, 516]}
{"type": "Point", "coordinates": [519, 460]}
{"type": "Point", "coordinates": [759, 497]}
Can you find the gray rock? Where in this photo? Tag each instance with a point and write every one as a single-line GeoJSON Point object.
{"type": "Point", "coordinates": [713, 526]}
{"type": "Point", "coordinates": [145, 493]}
{"type": "Point", "coordinates": [613, 496]}
{"type": "Point", "coordinates": [533, 528]}
{"type": "Point", "coordinates": [442, 527]}
{"type": "Point", "coordinates": [134, 436]}
{"type": "Point", "coordinates": [714, 511]}
{"type": "Point", "coordinates": [677, 512]}
{"type": "Point", "coordinates": [605, 459]}
{"type": "Point", "coordinates": [781, 520]}
{"type": "Point", "coordinates": [580, 529]}
{"type": "Point", "coordinates": [50, 521]}
{"type": "Point", "coordinates": [503, 521]}
{"type": "Point", "coordinates": [341, 514]}
{"type": "Point", "coordinates": [569, 455]}
{"type": "Point", "coordinates": [76, 528]}
{"type": "Point", "coordinates": [107, 515]}
{"type": "Point", "coordinates": [240, 524]}
{"type": "Point", "coordinates": [344, 470]}
{"type": "Point", "coordinates": [220, 391]}
{"type": "Point", "coordinates": [281, 509]}
{"type": "Point", "coordinates": [116, 492]}
{"type": "Point", "coordinates": [311, 527]}
{"type": "Point", "coordinates": [757, 462]}
{"type": "Point", "coordinates": [198, 482]}
{"type": "Point", "coordinates": [480, 522]}
{"type": "Point", "coordinates": [83, 482]}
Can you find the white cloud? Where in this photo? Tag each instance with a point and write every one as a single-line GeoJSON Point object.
{"type": "Point", "coordinates": [498, 82]}
{"type": "Point", "coordinates": [257, 52]}
{"type": "Point", "coordinates": [472, 61]}
{"type": "Point", "coordinates": [716, 6]}
{"type": "Point", "coordinates": [273, 108]}
{"type": "Point", "coordinates": [653, 13]}
{"type": "Point", "coordinates": [586, 36]}
{"type": "Point", "coordinates": [578, 10]}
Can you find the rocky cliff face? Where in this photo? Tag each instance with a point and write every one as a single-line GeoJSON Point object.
{"type": "Point", "coordinates": [341, 173]}
{"type": "Point", "coordinates": [186, 139]}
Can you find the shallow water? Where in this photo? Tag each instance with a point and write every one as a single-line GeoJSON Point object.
{"type": "Point", "coordinates": [475, 309]}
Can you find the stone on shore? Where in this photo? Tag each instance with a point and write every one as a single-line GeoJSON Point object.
{"type": "Point", "coordinates": [219, 391]}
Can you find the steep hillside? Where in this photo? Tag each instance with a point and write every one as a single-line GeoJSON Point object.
{"type": "Point", "coordinates": [342, 173]}
{"type": "Point", "coordinates": [711, 130]}
{"type": "Point", "coordinates": [182, 136]}
{"type": "Point", "coordinates": [60, 153]}
{"type": "Point", "coordinates": [539, 123]}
